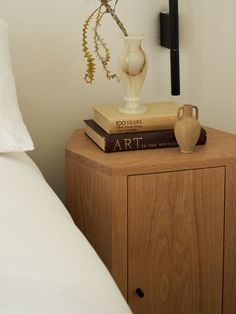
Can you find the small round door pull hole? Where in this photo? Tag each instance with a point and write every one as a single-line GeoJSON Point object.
{"type": "Point", "coordinates": [140, 292]}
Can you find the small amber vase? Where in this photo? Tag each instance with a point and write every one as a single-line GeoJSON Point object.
{"type": "Point", "coordinates": [187, 128]}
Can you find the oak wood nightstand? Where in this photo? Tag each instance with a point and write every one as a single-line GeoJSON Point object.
{"type": "Point", "coordinates": [163, 222]}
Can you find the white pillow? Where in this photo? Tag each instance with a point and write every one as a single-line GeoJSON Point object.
{"type": "Point", "coordinates": [14, 136]}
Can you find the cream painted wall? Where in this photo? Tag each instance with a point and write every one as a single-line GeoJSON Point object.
{"type": "Point", "coordinates": [212, 64]}
{"type": "Point", "coordinates": [48, 65]}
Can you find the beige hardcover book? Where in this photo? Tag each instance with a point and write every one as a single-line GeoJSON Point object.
{"type": "Point", "coordinates": [160, 116]}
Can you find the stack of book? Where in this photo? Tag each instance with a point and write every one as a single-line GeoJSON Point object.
{"type": "Point", "coordinates": [113, 131]}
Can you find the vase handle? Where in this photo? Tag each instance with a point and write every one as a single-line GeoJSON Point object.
{"type": "Point", "coordinates": [197, 111]}
{"type": "Point", "coordinates": [179, 116]}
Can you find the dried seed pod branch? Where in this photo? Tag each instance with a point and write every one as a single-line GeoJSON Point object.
{"type": "Point", "coordinates": [99, 43]}
{"type": "Point", "coordinates": [90, 71]}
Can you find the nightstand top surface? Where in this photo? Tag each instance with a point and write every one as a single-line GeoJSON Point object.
{"type": "Point", "coordinates": [219, 150]}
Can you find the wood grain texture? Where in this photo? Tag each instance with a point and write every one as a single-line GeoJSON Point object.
{"type": "Point", "coordinates": [175, 242]}
{"type": "Point", "coordinates": [219, 147]}
{"type": "Point", "coordinates": [181, 244]}
{"type": "Point", "coordinates": [70, 178]}
{"type": "Point", "coordinates": [98, 205]}
{"type": "Point", "coordinates": [229, 296]}
{"type": "Point", "coordinates": [119, 232]}
{"type": "Point", "coordinates": [90, 205]}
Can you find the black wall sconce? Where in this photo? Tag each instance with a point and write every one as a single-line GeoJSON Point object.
{"type": "Point", "coordinates": [169, 38]}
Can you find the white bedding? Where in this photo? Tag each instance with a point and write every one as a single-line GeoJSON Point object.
{"type": "Point", "coordinates": [46, 264]}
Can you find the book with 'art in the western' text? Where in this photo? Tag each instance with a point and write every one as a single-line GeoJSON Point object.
{"type": "Point", "coordinates": [134, 141]}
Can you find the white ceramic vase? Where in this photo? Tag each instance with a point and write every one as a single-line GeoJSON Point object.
{"type": "Point", "coordinates": [132, 72]}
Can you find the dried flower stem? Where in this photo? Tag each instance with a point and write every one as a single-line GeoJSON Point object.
{"type": "Point", "coordinates": [99, 43]}
{"type": "Point", "coordinates": [89, 75]}
{"type": "Point", "coordinates": [113, 14]}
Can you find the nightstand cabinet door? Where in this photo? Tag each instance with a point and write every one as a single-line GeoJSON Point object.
{"type": "Point", "coordinates": [175, 242]}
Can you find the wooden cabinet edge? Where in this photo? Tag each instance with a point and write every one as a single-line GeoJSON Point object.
{"type": "Point", "coordinates": [119, 233]}
{"type": "Point", "coordinates": [160, 167]}
{"type": "Point", "coordinates": [88, 162]}
{"type": "Point", "coordinates": [115, 255]}
{"type": "Point", "coordinates": [229, 271]}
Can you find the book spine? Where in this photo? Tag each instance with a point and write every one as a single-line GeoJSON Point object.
{"type": "Point", "coordinates": [146, 140]}
{"type": "Point", "coordinates": [129, 125]}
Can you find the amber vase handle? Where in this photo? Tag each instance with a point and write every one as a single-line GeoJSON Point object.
{"type": "Point", "coordinates": [179, 113]}
{"type": "Point", "coordinates": [197, 111]}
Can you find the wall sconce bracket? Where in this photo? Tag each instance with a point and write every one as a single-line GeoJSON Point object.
{"type": "Point", "coordinates": [165, 39]}
{"type": "Point", "coordinates": [169, 38]}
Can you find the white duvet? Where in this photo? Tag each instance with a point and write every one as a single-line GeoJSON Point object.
{"type": "Point", "coordinates": [46, 264]}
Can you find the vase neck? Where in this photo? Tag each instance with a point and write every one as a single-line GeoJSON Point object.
{"type": "Point", "coordinates": [134, 42]}
{"type": "Point", "coordinates": [188, 110]}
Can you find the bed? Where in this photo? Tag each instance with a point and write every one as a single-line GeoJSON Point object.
{"type": "Point", "coordinates": [46, 264]}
